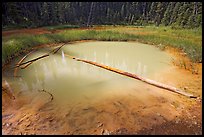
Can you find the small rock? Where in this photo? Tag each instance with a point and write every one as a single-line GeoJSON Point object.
{"type": "Point", "coordinates": [106, 132]}
{"type": "Point", "coordinates": [8, 124]}
{"type": "Point", "coordinates": [50, 120]}
{"type": "Point", "coordinates": [102, 131]}
{"type": "Point", "coordinates": [121, 131]}
{"type": "Point", "coordinates": [100, 125]}
{"type": "Point", "coordinates": [28, 125]}
{"type": "Point", "coordinates": [158, 114]}
{"type": "Point", "coordinates": [177, 121]}
{"type": "Point", "coordinates": [195, 123]}
{"type": "Point", "coordinates": [185, 88]}
{"type": "Point", "coordinates": [3, 124]}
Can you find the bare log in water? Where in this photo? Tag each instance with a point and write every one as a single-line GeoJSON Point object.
{"type": "Point", "coordinates": [28, 64]}
{"type": "Point", "coordinates": [16, 69]}
{"type": "Point", "coordinates": [146, 80]}
{"type": "Point", "coordinates": [57, 49]}
{"type": "Point", "coordinates": [43, 56]}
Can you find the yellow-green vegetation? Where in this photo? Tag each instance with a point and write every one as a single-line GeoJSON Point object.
{"type": "Point", "coordinates": [13, 44]}
{"type": "Point", "coordinates": [187, 40]}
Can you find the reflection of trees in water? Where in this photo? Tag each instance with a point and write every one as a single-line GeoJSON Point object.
{"type": "Point", "coordinates": [55, 66]}
{"type": "Point", "coordinates": [139, 68]}
{"type": "Point", "coordinates": [60, 66]}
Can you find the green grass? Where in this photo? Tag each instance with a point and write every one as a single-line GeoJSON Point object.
{"type": "Point", "coordinates": [187, 40]}
{"type": "Point", "coordinates": [193, 51]}
{"type": "Point", "coordinates": [13, 44]}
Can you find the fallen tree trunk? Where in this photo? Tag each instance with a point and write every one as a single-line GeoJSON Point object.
{"type": "Point", "coordinates": [32, 60]}
{"type": "Point", "coordinates": [146, 80]}
{"type": "Point", "coordinates": [43, 56]}
{"type": "Point", "coordinates": [16, 69]}
{"type": "Point", "coordinates": [26, 65]}
{"type": "Point", "coordinates": [57, 49]}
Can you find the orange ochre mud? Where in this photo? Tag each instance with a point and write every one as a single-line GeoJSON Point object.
{"type": "Point", "coordinates": [161, 112]}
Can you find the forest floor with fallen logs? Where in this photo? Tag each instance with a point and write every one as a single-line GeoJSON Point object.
{"type": "Point", "coordinates": [166, 113]}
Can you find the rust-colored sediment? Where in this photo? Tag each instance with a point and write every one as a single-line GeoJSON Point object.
{"type": "Point", "coordinates": [156, 113]}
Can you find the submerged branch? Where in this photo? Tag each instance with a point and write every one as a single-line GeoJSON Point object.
{"type": "Point", "coordinates": [26, 65]}
{"type": "Point", "coordinates": [6, 87]}
{"type": "Point", "coordinates": [16, 69]}
{"type": "Point", "coordinates": [57, 49]}
{"type": "Point", "coordinates": [46, 102]}
{"type": "Point", "coordinates": [48, 93]}
{"type": "Point", "coordinates": [43, 56]}
{"type": "Point", "coordinates": [32, 60]}
{"type": "Point", "coordinates": [148, 81]}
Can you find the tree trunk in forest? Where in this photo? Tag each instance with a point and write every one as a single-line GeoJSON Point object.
{"type": "Point", "coordinates": [89, 17]}
{"type": "Point", "coordinates": [149, 81]}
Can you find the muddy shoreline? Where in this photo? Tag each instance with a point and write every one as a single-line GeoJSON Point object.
{"type": "Point", "coordinates": [162, 113]}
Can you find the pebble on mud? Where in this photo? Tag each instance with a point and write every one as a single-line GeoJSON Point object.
{"type": "Point", "coordinates": [185, 88]}
{"type": "Point", "coordinates": [105, 132]}
{"type": "Point", "coordinates": [8, 124]}
{"type": "Point", "coordinates": [102, 131]}
{"type": "Point", "coordinates": [28, 125]}
{"type": "Point", "coordinates": [177, 121]}
{"type": "Point", "coordinates": [99, 125]}
{"type": "Point", "coordinates": [158, 114]}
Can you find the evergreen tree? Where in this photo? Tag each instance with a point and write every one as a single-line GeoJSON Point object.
{"type": "Point", "coordinates": [181, 15]}
{"type": "Point", "coordinates": [175, 13]}
{"type": "Point", "coordinates": [159, 10]}
{"type": "Point", "coordinates": [152, 12]}
{"type": "Point", "coordinates": [31, 14]}
{"type": "Point", "coordinates": [167, 15]}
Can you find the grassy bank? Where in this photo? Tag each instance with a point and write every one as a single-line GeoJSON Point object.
{"type": "Point", "coordinates": [13, 44]}
{"type": "Point", "coordinates": [187, 40]}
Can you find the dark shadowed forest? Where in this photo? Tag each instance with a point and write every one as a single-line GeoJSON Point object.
{"type": "Point", "coordinates": [35, 14]}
